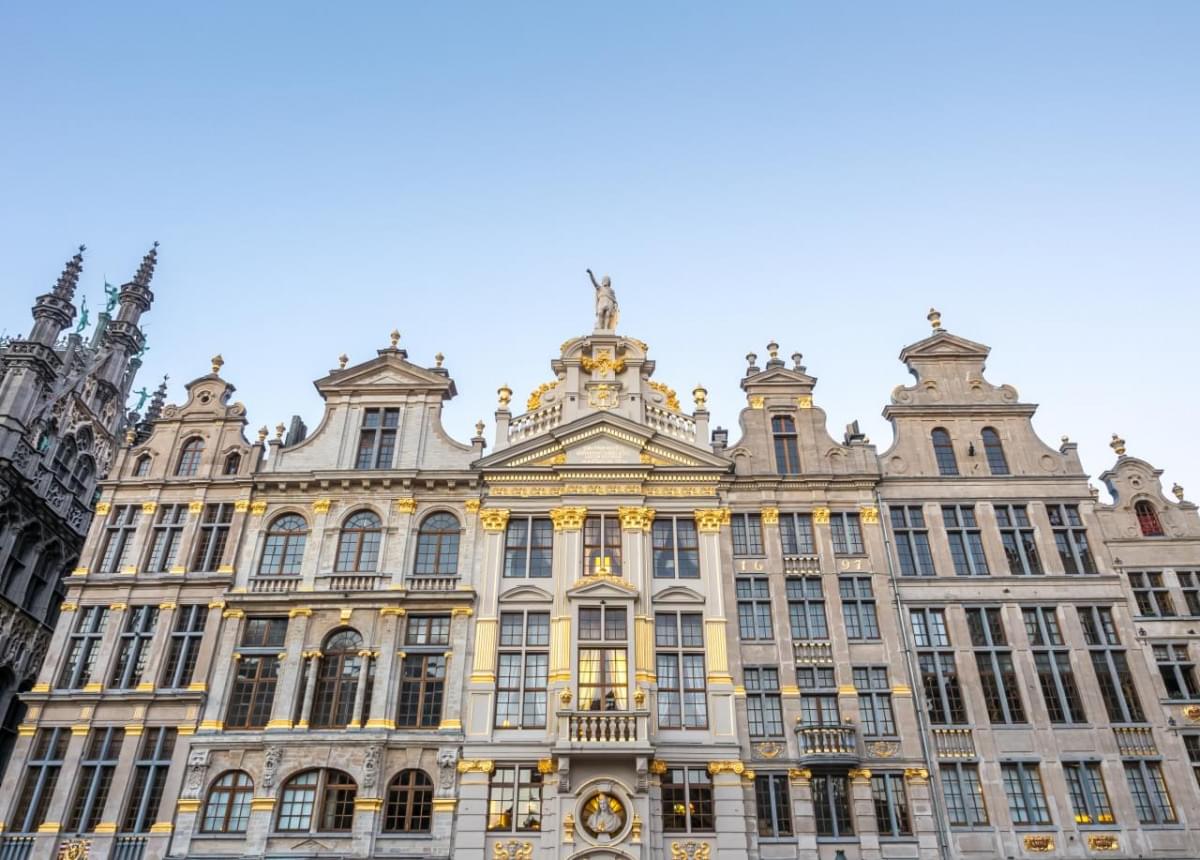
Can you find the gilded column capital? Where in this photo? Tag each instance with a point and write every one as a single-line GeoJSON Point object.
{"type": "Point", "coordinates": [729, 766]}
{"type": "Point", "coordinates": [494, 519]}
{"type": "Point", "coordinates": [149, 507]}
{"type": "Point", "coordinates": [406, 505]}
{"type": "Point", "coordinates": [321, 506]}
{"type": "Point", "coordinates": [869, 514]}
{"type": "Point", "coordinates": [241, 506]}
{"type": "Point", "coordinates": [545, 766]}
{"type": "Point", "coordinates": [471, 506]}
{"type": "Point", "coordinates": [916, 775]}
{"type": "Point", "coordinates": [297, 611]}
{"type": "Point", "coordinates": [711, 519]}
{"type": "Point", "coordinates": [658, 767]}
{"type": "Point", "coordinates": [476, 765]}
{"type": "Point", "coordinates": [635, 518]}
{"type": "Point", "coordinates": [194, 507]}
{"type": "Point", "coordinates": [102, 509]}
{"type": "Point", "coordinates": [568, 519]}
{"type": "Point", "coordinates": [859, 774]}
{"type": "Point", "coordinates": [799, 775]}
{"type": "Point", "coordinates": [258, 508]}
{"type": "Point", "coordinates": [770, 516]}
{"type": "Point", "coordinates": [820, 516]}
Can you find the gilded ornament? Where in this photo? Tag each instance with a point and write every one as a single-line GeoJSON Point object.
{"type": "Point", "coordinates": [321, 506]}
{"type": "Point", "coordinates": [568, 519]}
{"type": "Point", "coordinates": [770, 516]}
{"type": "Point", "coordinates": [564, 697]}
{"type": "Point", "coordinates": [883, 749]}
{"type": "Point", "coordinates": [149, 507]}
{"type": "Point", "coordinates": [75, 849]}
{"type": "Point", "coordinates": [102, 509]}
{"type": "Point", "coordinates": [406, 505]}
{"type": "Point", "coordinates": [635, 518]}
{"type": "Point", "coordinates": [757, 401]}
{"type": "Point", "coordinates": [471, 506]}
{"type": "Point", "coordinates": [343, 360]}
{"type": "Point", "coordinates": [658, 767]}
{"type": "Point", "coordinates": [635, 829]}
{"type": "Point", "coordinates": [1039, 844]}
{"type": "Point", "coordinates": [280, 429]}
{"type": "Point", "coordinates": [728, 766]}
{"type": "Point", "coordinates": [700, 397]}
{"type": "Point", "coordinates": [546, 766]}
{"type": "Point", "coordinates": [1192, 713]}
{"type": "Point", "coordinates": [668, 393]}
{"type": "Point", "coordinates": [394, 337]}
{"type": "Point", "coordinates": [769, 749]}
{"type": "Point", "coordinates": [710, 519]}
{"type": "Point", "coordinates": [263, 432]}
{"type": "Point", "coordinates": [217, 363]}
{"type": "Point", "coordinates": [513, 849]}
{"type": "Point", "coordinates": [1177, 489]}
{"type": "Point", "coordinates": [504, 395]}
{"type": "Point", "coordinates": [535, 399]}
{"type": "Point", "coordinates": [804, 401]}
{"type": "Point", "coordinates": [916, 774]}
{"type": "Point", "coordinates": [241, 506]}
{"type": "Point", "coordinates": [1103, 842]}
{"type": "Point", "coordinates": [859, 774]}
{"type": "Point", "coordinates": [493, 519]}
{"type": "Point", "coordinates": [569, 828]}
{"type": "Point", "coordinates": [639, 697]}
{"type": "Point", "coordinates": [869, 515]}
{"type": "Point", "coordinates": [799, 774]}
{"type": "Point", "coordinates": [602, 362]}
{"type": "Point", "coordinates": [690, 850]}
{"type": "Point", "coordinates": [470, 765]}
{"type": "Point", "coordinates": [258, 508]}
{"type": "Point", "coordinates": [935, 319]}
{"type": "Point", "coordinates": [820, 516]}
{"type": "Point", "coordinates": [1118, 445]}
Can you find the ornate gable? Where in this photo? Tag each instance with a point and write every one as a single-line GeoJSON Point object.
{"type": "Point", "coordinates": [389, 373]}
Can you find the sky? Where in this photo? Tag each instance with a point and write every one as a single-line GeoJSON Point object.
{"type": "Point", "coordinates": [818, 174]}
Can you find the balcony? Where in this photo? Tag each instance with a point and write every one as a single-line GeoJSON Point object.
{"type": "Point", "coordinates": [1135, 740]}
{"type": "Point", "coordinates": [954, 743]}
{"type": "Point", "coordinates": [349, 582]}
{"type": "Point", "coordinates": [16, 847]}
{"type": "Point", "coordinates": [603, 731]}
{"type": "Point", "coordinates": [801, 565]}
{"type": "Point", "coordinates": [128, 848]}
{"type": "Point", "coordinates": [274, 584]}
{"type": "Point", "coordinates": [431, 583]}
{"type": "Point", "coordinates": [813, 651]}
{"type": "Point", "coordinates": [828, 744]}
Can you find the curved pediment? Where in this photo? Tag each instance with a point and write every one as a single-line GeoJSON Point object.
{"type": "Point", "coordinates": [526, 594]}
{"type": "Point", "coordinates": [679, 594]}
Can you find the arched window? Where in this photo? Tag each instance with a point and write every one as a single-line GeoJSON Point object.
{"type": "Point", "coordinates": [358, 543]}
{"type": "Point", "coordinates": [284, 549]}
{"type": "Point", "coordinates": [787, 453]}
{"type": "Point", "coordinates": [141, 468]}
{"type": "Point", "coordinates": [64, 457]}
{"type": "Point", "coordinates": [233, 463]}
{"type": "Point", "coordinates": [943, 450]}
{"type": "Point", "coordinates": [337, 680]}
{"type": "Point", "coordinates": [1147, 519]}
{"type": "Point", "coordinates": [327, 793]}
{"type": "Point", "coordinates": [437, 546]}
{"type": "Point", "coordinates": [189, 456]}
{"type": "Point", "coordinates": [992, 447]}
{"type": "Point", "coordinates": [227, 809]}
{"type": "Point", "coordinates": [82, 473]}
{"type": "Point", "coordinates": [409, 806]}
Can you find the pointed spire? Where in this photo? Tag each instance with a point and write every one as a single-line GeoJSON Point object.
{"type": "Point", "coordinates": [69, 279]}
{"type": "Point", "coordinates": [145, 271]}
{"type": "Point", "coordinates": [157, 401]}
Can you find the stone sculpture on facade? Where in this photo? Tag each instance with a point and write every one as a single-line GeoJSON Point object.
{"type": "Point", "coordinates": [607, 311]}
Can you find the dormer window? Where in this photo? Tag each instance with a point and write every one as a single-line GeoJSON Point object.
{"type": "Point", "coordinates": [1147, 519]}
{"type": "Point", "coordinates": [992, 447]}
{"type": "Point", "coordinates": [377, 439]}
{"type": "Point", "coordinates": [787, 452]}
{"type": "Point", "coordinates": [233, 464]}
{"type": "Point", "coordinates": [189, 457]}
{"type": "Point", "coordinates": [142, 467]}
{"type": "Point", "coordinates": [943, 450]}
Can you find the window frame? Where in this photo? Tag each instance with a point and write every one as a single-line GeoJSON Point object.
{"type": "Point", "coordinates": [360, 535]}
{"type": "Point", "coordinates": [533, 544]}
{"type": "Point", "coordinates": [534, 645]}
{"type": "Point", "coordinates": [667, 549]}
{"type": "Point", "coordinates": [755, 617]}
{"type": "Point", "coordinates": [154, 757]}
{"type": "Point", "coordinates": [691, 801]}
{"type": "Point", "coordinates": [943, 452]}
{"type": "Point", "coordinates": [845, 527]}
{"type": "Point", "coordinates": [190, 454]}
{"type": "Point", "coordinates": [212, 537]}
{"type": "Point", "coordinates": [764, 702]}
{"type": "Point", "coordinates": [119, 538]}
{"type": "Point", "coordinates": [408, 803]}
{"type": "Point", "coordinates": [438, 545]}
{"type": "Point", "coordinates": [893, 815]}
{"type": "Point", "coordinates": [283, 548]}
{"type": "Point", "coordinates": [1071, 539]}
{"type": "Point", "coordinates": [685, 648]}
{"type": "Point", "coordinates": [166, 538]}
{"type": "Point", "coordinates": [1026, 795]}
{"type": "Point", "coordinates": [97, 766]}
{"type": "Point", "coordinates": [526, 784]}
{"type": "Point", "coordinates": [993, 452]}
{"type": "Point", "coordinates": [965, 539]}
{"type": "Point", "coordinates": [999, 680]}
{"type": "Point", "coordinates": [785, 443]}
{"type": "Point", "coordinates": [1018, 537]}
{"type": "Point", "coordinates": [772, 794]}
{"type": "Point", "coordinates": [860, 613]}
{"type": "Point", "coordinates": [236, 803]}
{"type": "Point", "coordinates": [378, 454]}
{"type": "Point", "coordinates": [910, 533]}
{"type": "Point", "coordinates": [1091, 806]}
{"type": "Point", "coordinates": [133, 646]}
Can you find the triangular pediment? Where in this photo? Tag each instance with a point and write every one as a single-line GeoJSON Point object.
{"type": "Point", "coordinates": [945, 345]}
{"type": "Point", "coordinates": [390, 371]}
{"type": "Point", "coordinates": [596, 587]}
{"type": "Point", "coordinates": [779, 377]}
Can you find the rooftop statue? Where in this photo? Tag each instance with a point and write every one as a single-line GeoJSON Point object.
{"type": "Point", "coordinates": [111, 294]}
{"type": "Point", "coordinates": [83, 316]}
{"type": "Point", "coordinates": [607, 311]}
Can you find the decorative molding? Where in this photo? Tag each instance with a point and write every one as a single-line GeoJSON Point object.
{"type": "Point", "coordinates": [770, 516]}
{"type": "Point", "coordinates": [297, 611]}
{"type": "Point", "coordinates": [258, 509]}
{"type": "Point", "coordinates": [728, 766]}
{"type": "Point", "coordinates": [471, 506]}
{"type": "Point", "coordinates": [1103, 842]}
{"type": "Point", "coordinates": [102, 509]}
{"type": "Point", "coordinates": [916, 775]}
{"type": "Point", "coordinates": [481, 765]}
{"type": "Point", "coordinates": [636, 519]}
{"type": "Point", "coordinates": [406, 505]}
{"type": "Point", "coordinates": [658, 767]}
{"type": "Point", "coordinates": [195, 506]}
{"type": "Point", "coordinates": [321, 506]}
{"type": "Point", "coordinates": [1039, 843]}
{"type": "Point", "coordinates": [493, 519]}
{"type": "Point", "coordinates": [757, 401]}
{"type": "Point", "coordinates": [444, 804]}
{"type": "Point", "coordinates": [262, 804]}
{"type": "Point", "coordinates": [241, 506]}
{"type": "Point", "coordinates": [568, 519]}
{"type": "Point", "coordinates": [710, 519]}
{"type": "Point", "coordinates": [149, 508]}
{"type": "Point", "coordinates": [859, 774]}
{"type": "Point", "coordinates": [869, 515]}
{"type": "Point", "coordinates": [691, 850]}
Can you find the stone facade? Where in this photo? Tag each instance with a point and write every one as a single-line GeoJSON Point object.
{"type": "Point", "coordinates": [62, 416]}
{"type": "Point", "coordinates": [618, 634]}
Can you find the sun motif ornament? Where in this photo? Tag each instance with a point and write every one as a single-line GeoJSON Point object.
{"type": "Point", "coordinates": [603, 815]}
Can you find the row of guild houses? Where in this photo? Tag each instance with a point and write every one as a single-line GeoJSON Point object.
{"type": "Point", "coordinates": [616, 632]}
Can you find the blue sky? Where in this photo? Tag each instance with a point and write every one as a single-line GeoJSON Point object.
{"type": "Point", "coordinates": [817, 174]}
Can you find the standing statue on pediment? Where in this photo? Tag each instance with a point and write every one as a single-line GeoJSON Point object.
{"type": "Point", "coordinates": [607, 311]}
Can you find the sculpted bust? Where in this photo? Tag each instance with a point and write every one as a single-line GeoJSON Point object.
{"type": "Point", "coordinates": [607, 311]}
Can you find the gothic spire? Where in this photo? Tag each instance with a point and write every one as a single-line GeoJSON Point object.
{"type": "Point", "coordinates": [69, 279]}
{"type": "Point", "coordinates": [145, 271]}
{"type": "Point", "coordinates": [157, 401]}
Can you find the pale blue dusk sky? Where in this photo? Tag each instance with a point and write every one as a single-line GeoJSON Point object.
{"type": "Point", "coordinates": [818, 174]}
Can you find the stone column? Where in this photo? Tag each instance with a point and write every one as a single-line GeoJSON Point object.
{"type": "Point", "coordinates": [803, 818]}
{"type": "Point", "coordinates": [159, 645]}
{"type": "Point", "coordinates": [482, 679]}
{"type": "Point", "coordinates": [720, 682]}
{"type": "Point", "coordinates": [635, 527]}
{"type": "Point", "coordinates": [258, 828]}
{"type": "Point", "coordinates": [108, 646]}
{"type": "Point", "coordinates": [862, 811]}
{"type": "Point", "coordinates": [237, 528]}
{"type": "Point", "coordinates": [114, 805]}
{"type": "Point", "coordinates": [367, 811]}
{"type": "Point", "coordinates": [470, 824]}
{"type": "Point", "coordinates": [56, 653]}
{"type": "Point", "coordinates": [208, 648]}
{"type": "Point", "coordinates": [290, 664]}
{"type": "Point", "coordinates": [400, 527]}
{"type": "Point", "coordinates": [729, 808]}
{"type": "Point", "coordinates": [456, 660]}
{"type": "Point", "coordinates": [214, 708]}
{"type": "Point", "coordinates": [309, 567]}
{"type": "Point", "coordinates": [383, 694]}
{"type": "Point", "coordinates": [310, 687]}
{"type": "Point", "coordinates": [567, 569]}
{"type": "Point", "coordinates": [366, 655]}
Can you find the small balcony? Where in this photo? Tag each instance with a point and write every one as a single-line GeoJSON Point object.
{"type": "Point", "coordinates": [1135, 740]}
{"type": "Point", "coordinates": [16, 847]}
{"type": "Point", "coordinates": [954, 743]}
{"type": "Point", "coordinates": [828, 744]}
{"type": "Point", "coordinates": [603, 731]}
{"type": "Point", "coordinates": [431, 583]}
{"type": "Point", "coordinates": [350, 582]}
{"type": "Point", "coordinates": [801, 565]}
{"type": "Point", "coordinates": [812, 652]}
{"type": "Point", "coordinates": [274, 584]}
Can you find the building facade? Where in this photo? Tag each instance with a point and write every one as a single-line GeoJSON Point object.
{"type": "Point", "coordinates": [616, 633]}
{"type": "Point", "coordinates": [62, 416]}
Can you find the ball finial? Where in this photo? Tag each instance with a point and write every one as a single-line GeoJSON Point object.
{"type": "Point", "coordinates": [343, 360]}
{"type": "Point", "coordinates": [439, 358]}
{"type": "Point", "coordinates": [217, 363]}
{"type": "Point", "coordinates": [1178, 491]}
{"type": "Point", "coordinates": [700, 396]}
{"type": "Point", "coordinates": [935, 318]}
{"type": "Point", "coordinates": [504, 393]}
{"type": "Point", "coordinates": [1118, 445]}
{"type": "Point", "coordinates": [395, 337]}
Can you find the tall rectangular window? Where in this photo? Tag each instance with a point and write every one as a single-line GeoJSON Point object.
{"type": "Point", "coordinates": [1189, 584]}
{"type": "Point", "coordinates": [858, 607]}
{"type": "Point", "coordinates": [679, 663]}
{"type": "Point", "coordinates": [912, 540]}
{"type": "Point", "coordinates": [806, 607]}
{"type": "Point", "coordinates": [1089, 796]}
{"type": "Point", "coordinates": [754, 609]}
{"type": "Point", "coordinates": [966, 541]}
{"type": "Point", "coordinates": [423, 672]}
{"type": "Point", "coordinates": [524, 661]}
{"type": "Point", "coordinates": [83, 647]}
{"type": "Point", "coordinates": [1052, 659]}
{"type": "Point", "coordinates": [149, 779]}
{"type": "Point", "coordinates": [602, 545]}
{"type": "Point", "coordinates": [1017, 537]}
{"type": "Point", "coordinates": [963, 793]}
{"type": "Point", "coordinates": [212, 537]}
{"type": "Point", "coordinates": [993, 659]}
{"type": "Point", "coordinates": [1148, 786]}
{"type": "Point", "coordinates": [134, 649]}
{"type": "Point", "coordinates": [256, 673]}
{"type": "Point", "coordinates": [772, 805]}
{"type": "Point", "coordinates": [747, 535]}
{"type": "Point", "coordinates": [529, 547]}
{"type": "Point", "coordinates": [687, 800]}
{"type": "Point", "coordinates": [831, 804]}
{"type": "Point", "coordinates": [1177, 670]}
{"type": "Point", "coordinates": [939, 672]}
{"type": "Point", "coordinates": [1026, 796]}
{"type": "Point", "coordinates": [764, 708]}
{"type": "Point", "coordinates": [676, 548]}
{"type": "Point", "coordinates": [1111, 665]}
{"type": "Point", "coordinates": [377, 438]}
{"type": "Point", "coordinates": [96, 769]}
{"type": "Point", "coordinates": [847, 534]}
{"type": "Point", "coordinates": [164, 540]}
{"type": "Point", "coordinates": [1192, 744]}
{"type": "Point", "coordinates": [184, 648]}
{"type": "Point", "coordinates": [116, 549]}
{"type": "Point", "coordinates": [818, 696]}
{"type": "Point", "coordinates": [1070, 538]}
{"type": "Point", "coordinates": [41, 776]}
{"type": "Point", "coordinates": [1150, 594]}
{"type": "Point", "coordinates": [603, 659]}
{"type": "Point", "coordinates": [874, 701]}
{"type": "Point", "coordinates": [891, 805]}
{"type": "Point", "coordinates": [515, 799]}
{"type": "Point", "coordinates": [796, 534]}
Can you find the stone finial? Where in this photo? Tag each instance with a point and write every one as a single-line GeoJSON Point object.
{"type": "Point", "coordinates": [158, 400]}
{"type": "Point", "coordinates": [700, 395]}
{"type": "Point", "coordinates": [262, 434]}
{"type": "Point", "coordinates": [1094, 490]}
{"type": "Point", "coordinates": [935, 319]}
{"type": "Point", "coordinates": [69, 279]}
{"type": "Point", "coordinates": [343, 360]}
{"type": "Point", "coordinates": [751, 357]}
{"type": "Point", "coordinates": [1118, 445]}
{"type": "Point", "coordinates": [1178, 491]}
{"type": "Point", "coordinates": [439, 358]}
{"type": "Point", "coordinates": [479, 427]}
{"type": "Point", "coordinates": [504, 393]}
{"type": "Point", "coordinates": [217, 363]}
{"type": "Point", "coordinates": [131, 437]}
{"type": "Point", "coordinates": [1066, 439]}
{"type": "Point", "coordinates": [145, 271]}
{"type": "Point", "coordinates": [395, 338]}
{"type": "Point", "coordinates": [773, 350]}
{"type": "Point", "coordinates": [279, 430]}
{"type": "Point", "coordinates": [797, 358]}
